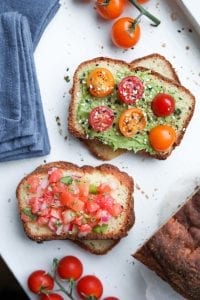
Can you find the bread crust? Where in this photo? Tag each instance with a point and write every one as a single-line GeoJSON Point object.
{"type": "Point", "coordinates": [122, 178]}
{"type": "Point", "coordinates": [173, 252]}
{"type": "Point", "coordinates": [77, 131]}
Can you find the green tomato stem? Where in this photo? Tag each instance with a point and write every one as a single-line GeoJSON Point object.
{"type": "Point", "coordinates": [144, 12]}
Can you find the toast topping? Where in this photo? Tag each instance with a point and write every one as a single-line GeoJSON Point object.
{"type": "Point", "coordinates": [137, 94]}
{"type": "Point", "coordinates": [68, 203]}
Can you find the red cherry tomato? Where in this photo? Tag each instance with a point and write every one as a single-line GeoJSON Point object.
{"type": "Point", "coordinates": [70, 268]}
{"type": "Point", "coordinates": [101, 118]}
{"type": "Point", "coordinates": [163, 105]}
{"type": "Point", "coordinates": [52, 296]}
{"type": "Point", "coordinates": [100, 82]}
{"type": "Point", "coordinates": [130, 89]}
{"type": "Point", "coordinates": [125, 34]}
{"type": "Point", "coordinates": [89, 286]}
{"type": "Point", "coordinates": [110, 9]}
{"type": "Point", "coordinates": [162, 137]}
{"type": "Point", "coordinates": [40, 281]}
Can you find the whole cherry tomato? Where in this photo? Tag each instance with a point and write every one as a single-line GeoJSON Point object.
{"type": "Point", "coordinates": [89, 286]}
{"type": "Point", "coordinates": [142, 1]}
{"type": "Point", "coordinates": [162, 137]}
{"type": "Point", "coordinates": [100, 82]}
{"type": "Point", "coordinates": [101, 118]}
{"type": "Point", "coordinates": [70, 268]}
{"type": "Point", "coordinates": [163, 105]}
{"type": "Point", "coordinates": [110, 9]}
{"type": "Point", "coordinates": [125, 32]}
{"type": "Point", "coordinates": [40, 281]}
{"type": "Point", "coordinates": [130, 89]}
{"type": "Point", "coordinates": [131, 121]}
{"type": "Point", "coordinates": [52, 296]}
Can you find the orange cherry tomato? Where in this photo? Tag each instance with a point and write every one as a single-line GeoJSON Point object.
{"type": "Point", "coordinates": [131, 121]}
{"type": "Point", "coordinates": [142, 1]}
{"type": "Point", "coordinates": [125, 34]}
{"type": "Point", "coordinates": [110, 9]}
{"type": "Point", "coordinates": [162, 137]}
{"type": "Point", "coordinates": [100, 82]}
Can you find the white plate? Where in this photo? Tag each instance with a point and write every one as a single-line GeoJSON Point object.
{"type": "Point", "coordinates": [77, 34]}
{"type": "Point", "coordinates": [191, 8]}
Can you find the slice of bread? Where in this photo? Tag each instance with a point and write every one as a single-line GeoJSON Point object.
{"type": "Point", "coordinates": [173, 252]}
{"type": "Point", "coordinates": [48, 195]}
{"type": "Point", "coordinates": [155, 62]}
{"type": "Point", "coordinates": [78, 126]}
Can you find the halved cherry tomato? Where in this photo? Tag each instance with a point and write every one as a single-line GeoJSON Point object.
{"type": "Point", "coordinates": [125, 33]}
{"type": "Point", "coordinates": [101, 118]}
{"type": "Point", "coordinates": [162, 137]}
{"type": "Point", "coordinates": [100, 82]}
{"type": "Point", "coordinates": [131, 121]}
{"type": "Point", "coordinates": [70, 268]}
{"type": "Point", "coordinates": [89, 286]}
{"type": "Point", "coordinates": [40, 281]}
{"type": "Point", "coordinates": [110, 9]}
{"type": "Point", "coordinates": [52, 296]}
{"type": "Point", "coordinates": [130, 89]}
{"type": "Point", "coordinates": [163, 105]}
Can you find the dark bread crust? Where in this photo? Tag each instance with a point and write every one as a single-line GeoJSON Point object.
{"type": "Point", "coordinates": [173, 252]}
{"type": "Point", "coordinates": [122, 177]}
{"type": "Point", "coordinates": [79, 133]}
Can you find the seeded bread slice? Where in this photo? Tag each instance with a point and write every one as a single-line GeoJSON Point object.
{"type": "Point", "coordinates": [155, 62]}
{"type": "Point", "coordinates": [117, 227]}
{"type": "Point", "coordinates": [184, 99]}
{"type": "Point", "coordinates": [173, 252]}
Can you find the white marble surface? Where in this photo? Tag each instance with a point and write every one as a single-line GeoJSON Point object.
{"type": "Point", "coordinates": [77, 34]}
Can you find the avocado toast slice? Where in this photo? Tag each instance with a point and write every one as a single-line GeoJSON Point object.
{"type": "Point", "coordinates": [82, 103]}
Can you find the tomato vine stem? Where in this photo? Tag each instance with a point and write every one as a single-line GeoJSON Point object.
{"type": "Point", "coordinates": [146, 13]}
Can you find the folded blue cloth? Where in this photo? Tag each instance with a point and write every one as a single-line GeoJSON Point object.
{"type": "Point", "coordinates": [38, 12]}
{"type": "Point", "coordinates": [23, 131]}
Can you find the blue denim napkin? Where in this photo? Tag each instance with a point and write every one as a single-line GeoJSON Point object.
{"type": "Point", "coordinates": [23, 131]}
{"type": "Point", "coordinates": [38, 12]}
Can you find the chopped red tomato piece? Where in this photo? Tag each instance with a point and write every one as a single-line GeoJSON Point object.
{"type": "Point", "coordinates": [115, 210]}
{"type": "Point", "coordinates": [104, 188]}
{"type": "Point", "coordinates": [71, 201]}
{"type": "Point", "coordinates": [84, 189]}
{"type": "Point", "coordinates": [92, 206]}
{"type": "Point", "coordinates": [85, 228]}
{"type": "Point", "coordinates": [55, 175]}
{"type": "Point", "coordinates": [33, 183]}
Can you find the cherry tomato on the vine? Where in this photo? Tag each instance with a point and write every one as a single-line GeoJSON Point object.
{"type": "Point", "coordinates": [131, 121]}
{"type": "Point", "coordinates": [110, 9]}
{"type": "Point", "coordinates": [130, 89]}
{"type": "Point", "coordinates": [100, 82]}
{"type": "Point", "coordinates": [125, 32]}
{"type": "Point", "coordinates": [101, 118]}
{"type": "Point", "coordinates": [89, 286]}
{"type": "Point", "coordinates": [40, 281]}
{"type": "Point", "coordinates": [142, 1]}
{"type": "Point", "coordinates": [52, 296]}
{"type": "Point", "coordinates": [70, 268]}
{"type": "Point", "coordinates": [162, 137]}
{"type": "Point", "coordinates": [163, 105]}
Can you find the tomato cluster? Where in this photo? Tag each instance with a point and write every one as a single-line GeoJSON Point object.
{"type": "Point", "coordinates": [125, 31]}
{"type": "Point", "coordinates": [68, 269]}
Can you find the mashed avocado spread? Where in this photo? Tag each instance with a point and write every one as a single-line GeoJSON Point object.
{"type": "Point", "coordinates": [112, 136]}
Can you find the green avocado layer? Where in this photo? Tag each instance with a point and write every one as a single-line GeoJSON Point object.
{"type": "Point", "coordinates": [112, 136]}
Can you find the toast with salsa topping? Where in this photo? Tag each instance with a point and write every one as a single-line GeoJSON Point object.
{"type": "Point", "coordinates": [63, 201]}
{"type": "Point", "coordinates": [128, 108]}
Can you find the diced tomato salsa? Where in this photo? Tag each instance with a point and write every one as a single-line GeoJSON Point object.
{"type": "Point", "coordinates": [69, 204]}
